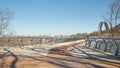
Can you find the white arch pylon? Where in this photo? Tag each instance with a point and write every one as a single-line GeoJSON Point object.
{"type": "Point", "coordinates": [101, 25]}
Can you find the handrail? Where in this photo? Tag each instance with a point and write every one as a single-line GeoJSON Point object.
{"type": "Point", "coordinates": [115, 40]}
{"type": "Point", "coordinates": [106, 40]}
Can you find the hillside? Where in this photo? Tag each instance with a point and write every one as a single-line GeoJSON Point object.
{"type": "Point", "coordinates": [115, 31]}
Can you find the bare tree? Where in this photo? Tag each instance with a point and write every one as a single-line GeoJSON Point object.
{"type": "Point", "coordinates": [114, 16]}
{"type": "Point", "coordinates": [5, 17]}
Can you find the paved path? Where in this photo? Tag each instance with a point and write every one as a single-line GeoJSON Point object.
{"type": "Point", "coordinates": [67, 43]}
{"type": "Point", "coordinates": [79, 57]}
{"type": "Point", "coordinates": [82, 57]}
{"type": "Point", "coordinates": [85, 52]}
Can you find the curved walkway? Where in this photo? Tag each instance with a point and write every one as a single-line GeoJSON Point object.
{"type": "Point", "coordinates": [67, 55]}
{"type": "Point", "coordinates": [78, 56]}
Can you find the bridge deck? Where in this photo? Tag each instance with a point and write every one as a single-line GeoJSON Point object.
{"type": "Point", "coordinates": [86, 52]}
{"type": "Point", "coordinates": [81, 57]}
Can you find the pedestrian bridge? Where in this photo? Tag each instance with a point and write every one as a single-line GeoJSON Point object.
{"type": "Point", "coordinates": [85, 52]}
{"type": "Point", "coordinates": [110, 44]}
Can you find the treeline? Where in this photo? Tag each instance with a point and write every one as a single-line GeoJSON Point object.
{"type": "Point", "coordinates": [114, 31]}
{"type": "Point", "coordinates": [80, 34]}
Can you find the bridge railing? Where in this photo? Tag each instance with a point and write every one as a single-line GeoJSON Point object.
{"type": "Point", "coordinates": [104, 43]}
{"type": "Point", "coordinates": [23, 41]}
{"type": "Point", "coordinates": [67, 39]}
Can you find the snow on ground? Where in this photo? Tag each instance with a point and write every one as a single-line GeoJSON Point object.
{"type": "Point", "coordinates": [84, 52]}
{"type": "Point", "coordinates": [43, 50]}
{"type": "Point", "coordinates": [30, 50]}
{"type": "Point", "coordinates": [66, 43]}
{"type": "Point", "coordinates": [34, 50]}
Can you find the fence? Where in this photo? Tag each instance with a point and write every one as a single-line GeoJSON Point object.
{"type": "Point", "coordinates": [104, 43]}
{"type": "Point", "coordinates": [23, 41]}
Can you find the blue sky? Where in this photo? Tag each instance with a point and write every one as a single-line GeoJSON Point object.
{"type": "Point", "coordinates": [55, 17]}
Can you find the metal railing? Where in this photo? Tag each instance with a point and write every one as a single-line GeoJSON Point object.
{"type": "Point", "coordinates": [105, 43]}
